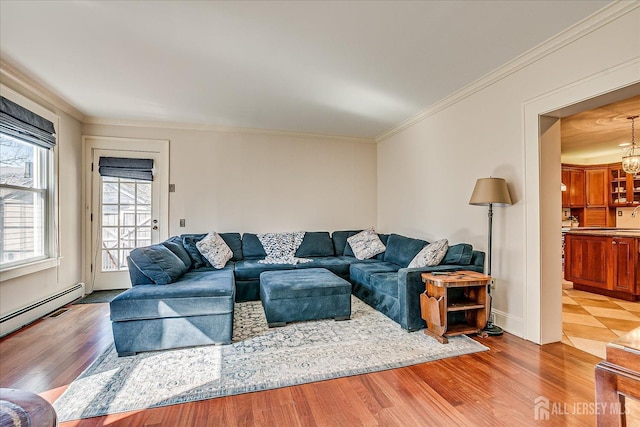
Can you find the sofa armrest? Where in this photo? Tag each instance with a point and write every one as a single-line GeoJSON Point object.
{"type": "Point", "coordinates": [410, 287]}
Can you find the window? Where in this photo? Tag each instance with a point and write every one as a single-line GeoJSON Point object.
{"type": "Point", "coordinates": [26, 208]}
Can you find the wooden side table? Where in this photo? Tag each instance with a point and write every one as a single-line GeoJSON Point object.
{"type": "Point", "coordinates": [454, 303]}
{"type": "Point", "coordinates": [617, 377]}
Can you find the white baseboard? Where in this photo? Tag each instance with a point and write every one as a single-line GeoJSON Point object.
{"type": "Point", "coordinates": [511, 324]}
{"type": "Point", "coordinates": [22, 317]}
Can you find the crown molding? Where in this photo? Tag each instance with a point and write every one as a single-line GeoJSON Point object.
{"type": "Point", "coordinates": [228, 129]}
{"type": "Point", "coordinates": [13, 74]}
{"type": "Point", "coordinates": [597, 20]}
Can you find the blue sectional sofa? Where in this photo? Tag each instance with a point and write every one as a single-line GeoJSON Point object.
{"type": "Point", "coordinates": [179, 300]}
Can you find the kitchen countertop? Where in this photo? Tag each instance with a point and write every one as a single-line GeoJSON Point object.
{"type": "Point", "coordinates": [609, 232]}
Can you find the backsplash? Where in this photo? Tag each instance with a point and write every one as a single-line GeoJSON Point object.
{"type": "Point", "coordinates": [625, 220]}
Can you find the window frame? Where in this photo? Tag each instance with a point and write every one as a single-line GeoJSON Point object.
{"type": "Point", "coordinates": [51, 258]}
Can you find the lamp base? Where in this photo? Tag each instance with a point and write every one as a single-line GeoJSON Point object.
{"type": "Point", "coordinates": [492, 330]}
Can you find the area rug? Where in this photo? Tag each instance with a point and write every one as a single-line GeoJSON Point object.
{"type": "Point", "coordinates": [258, 359]}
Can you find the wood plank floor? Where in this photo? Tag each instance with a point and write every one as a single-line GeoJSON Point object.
{"type": "Point", "coordinates": [493, 388]}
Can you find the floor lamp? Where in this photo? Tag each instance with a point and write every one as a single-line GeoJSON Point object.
{"type": "Point", "coordinates": [490, 192]}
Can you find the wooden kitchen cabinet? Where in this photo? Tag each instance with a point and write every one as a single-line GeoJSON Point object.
{"type": "Point", "coordinates": [586, 260]}
{"type": "Point", "coordinates": [624, 255]}
{"type": "Point", "coordinates": [624, 188]}
{"type": "Point", "coordinates": [606, 262]}
{"type": "Point", "coordinates": [576, 188]}
{"type": "Point", "coordinates": [588, 194]}
{"type": "Point", "coordinates": [596, 187]}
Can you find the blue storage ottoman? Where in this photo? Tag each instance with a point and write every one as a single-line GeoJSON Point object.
{"type": "Point", "coordinates": [304, 294]}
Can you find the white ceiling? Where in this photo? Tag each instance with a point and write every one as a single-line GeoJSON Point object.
{"type": "Point", "coordinates": [353, 68]}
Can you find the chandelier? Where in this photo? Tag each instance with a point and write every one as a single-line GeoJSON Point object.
{"type": "Point", "coordinates": [631, 161]}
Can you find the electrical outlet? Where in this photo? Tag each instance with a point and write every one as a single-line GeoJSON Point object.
{"type": "Point", "coordinates": [183, 223]}
{"type": "Point", "coordinates": [493, 284]}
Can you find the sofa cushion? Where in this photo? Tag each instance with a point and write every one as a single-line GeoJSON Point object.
{"type": "Point", "coordinates": [250, 269]}
{"type": "Point", "coordinates": [361, 272]}
{"type": "Point", "coordinates": [215, 250]}
{"type": "Point", "coordinates": [401, 250]}
{"type": "Point", "coordinates": [235, 244]}
{"type": "Point", "coordinates": [385, 239]}
{"type": "Point", "coordinates": [198, 293]}
{"type": "Point", "coordinates": [251, 247]}
{"type": "Point", "coordinates": [335, 265]}
{"type": "Point", "coordinates": [340, 240]}
{"type": "Point", "coordinates": [189, 242]}
{"type": "Point", "coordinates": [431, 254]}
{"type": "Point", "coordinates": [315, 243]}
{"type": "Point", "coordinates": [366, 244]}
{"type": "Point", "coordinates": [386, 283]}
{"type": "Point", "coordinates": [459, 254]}
{"type": "Point", "coordinates": [158, 263]}
{"type": "Point", "coordinates": [174, 244]}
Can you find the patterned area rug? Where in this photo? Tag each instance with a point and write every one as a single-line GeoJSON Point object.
{"type": "Point", "coordinates": [258, 359]}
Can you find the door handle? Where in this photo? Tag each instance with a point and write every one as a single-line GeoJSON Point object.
{"type": "Point", "coordinates": [155, 227]}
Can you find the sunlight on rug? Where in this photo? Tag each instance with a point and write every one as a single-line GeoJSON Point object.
{"type": "Point", "coordinates": [258, 359]}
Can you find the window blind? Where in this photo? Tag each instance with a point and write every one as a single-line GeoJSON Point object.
{"type": "Point", "coordinates": [26, 125]}
{"type": "Point", "coordinates": [121, 167]}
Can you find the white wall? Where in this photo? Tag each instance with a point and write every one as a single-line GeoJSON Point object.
{"type": "Point", "coordinates": [26, 290]}
{"type": "Point", "coordinates": [427, 171]}
{"type": "Point", "coordinates": [252, 181]}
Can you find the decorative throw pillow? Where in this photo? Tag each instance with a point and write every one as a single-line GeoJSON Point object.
{"type": "Point", "coordinates": [430, 255]}
{"type": "Point", "coordinates": [281, 247]}
{"type": "Point", "coordinates": [215, 250]}
{"type": "Point", "coordinates": [366, 244]}
{"type": "Point", "coordinates": [158, 264]}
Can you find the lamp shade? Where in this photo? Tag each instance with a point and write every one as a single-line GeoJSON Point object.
{"type": "Point", "coordinates": [490, 191]}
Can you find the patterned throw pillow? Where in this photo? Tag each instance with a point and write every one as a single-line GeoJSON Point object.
{"type": "Point", "coordinates": [215, 250]}
{"type": "Point", "coordinates": [430, 255]}
{"type": "Point", "coordinates": [366, 244]}
{"type": "Point", "coordinates": [281, 247]}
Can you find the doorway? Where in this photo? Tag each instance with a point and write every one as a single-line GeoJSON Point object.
{"type": "Point", "coordinates": [122, 212]}
{"type": "Point", "coordinates": [543, 295]}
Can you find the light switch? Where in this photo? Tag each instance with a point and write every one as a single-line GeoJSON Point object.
{"type": "Point", "coordinates": [182, 222]}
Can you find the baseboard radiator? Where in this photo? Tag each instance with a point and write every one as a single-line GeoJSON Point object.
{"type": "Point", "coordinates": [22, 317]}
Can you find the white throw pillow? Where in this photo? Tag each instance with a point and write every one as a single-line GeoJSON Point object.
{"type": "Point", "coordinates": [366, 244]}
{"type": "Point", "coordinates": [215, 250]}
{"type": "Point", "coordinates": [430, 255]}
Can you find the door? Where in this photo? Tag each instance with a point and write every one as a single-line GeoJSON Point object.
{"type": "Point", "coordinates": [623, 263]}
{"type": "Point", "coordinates": [597, 187]}
{"type": "Point", "coordinates": [576, 191]}
{"type": "Point", "coordinates": [125, 213]}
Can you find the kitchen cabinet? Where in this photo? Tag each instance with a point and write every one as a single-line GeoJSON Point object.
{"type": "Point", "coordinates": [595, 217]}
{"type": "Point", "coordinates": [588, 194]}
{"type": "Point", "coordinates": [575, 186]}
{"type": "Point", "coordinates": [624, 251]}
{"type": "Point", "coordinates": [606, 262]}
{"type": "Point", "coordinates": [596, 187]}
{"type": "Point", "coordinates": [624, 188]}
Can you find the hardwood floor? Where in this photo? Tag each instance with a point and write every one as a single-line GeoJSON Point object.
{"type": "Point", "coordinates": [493, 388]}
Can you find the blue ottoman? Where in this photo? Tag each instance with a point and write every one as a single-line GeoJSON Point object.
{"type": "Point", "coordinates": [305, 294]}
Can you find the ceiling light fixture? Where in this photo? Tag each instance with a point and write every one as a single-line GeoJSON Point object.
{"type": "Point", "coordinates": [631, 162]}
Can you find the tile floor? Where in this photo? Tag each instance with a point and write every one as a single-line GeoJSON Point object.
{"type": "Point", "coordinates": [590, 321]}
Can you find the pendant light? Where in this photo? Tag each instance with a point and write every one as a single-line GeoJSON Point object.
{"type": "Point", "coordinates": [631, 162]}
